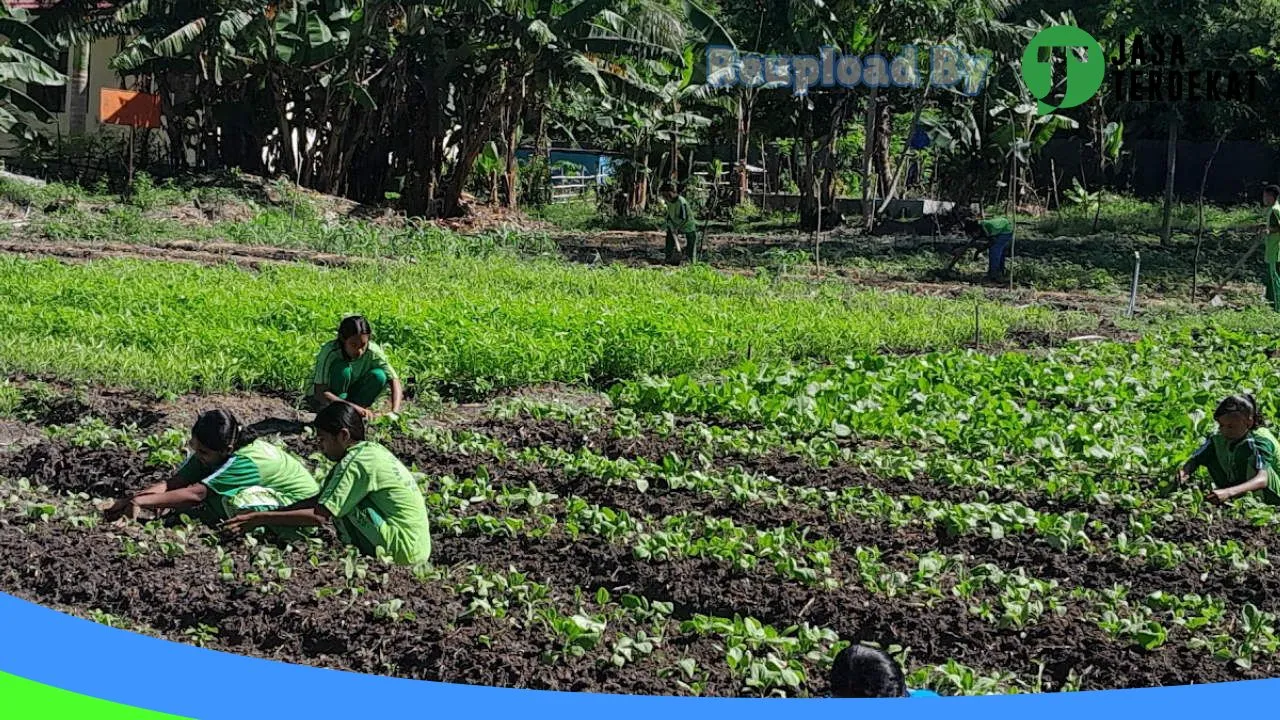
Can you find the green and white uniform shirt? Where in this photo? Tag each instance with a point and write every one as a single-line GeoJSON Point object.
{"type": "Point", "coordinates": [258, 476]}
{"type": "Point", "coordinates": [376, 503]}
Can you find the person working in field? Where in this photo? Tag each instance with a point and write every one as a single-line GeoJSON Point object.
{"type": "Point", "coordinates": [1271, 253]}
{"type": "Point", "coordinates": [993, 235]}
{"type": "Point", "coordinates": [353, 370]}
{"type": "Point", "coordinates": [1241, 456]}
{"type": "Point", "coordinates": [369, 495]}
{"type": "Point", "coordinates": [679, 219]}
{"type": "Point", "coordinates": [1270, 268]}
{"type": "Point", "coordinates": [226, 474]}
{"type": "Point", "coordinates": [863, 672]}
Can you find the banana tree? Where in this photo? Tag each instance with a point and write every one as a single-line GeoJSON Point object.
{"type": "Point", "coordinates": [588, 44]}
{"type": "Point", "coordinates": [25, 56]}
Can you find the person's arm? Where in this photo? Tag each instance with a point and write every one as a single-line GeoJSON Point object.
{"type": "Point", "coordinates": [322, 393]}
{"type": "Point", "coordinates": [296, 515]}
{"type": "Point", "coordinates": [185, 497]}
{"type": "Point", "coordinates": [1196, 461]}
{"type": "Point", "coordinates": [393, 378]}
{"type": "Point", "coordinates": [186, 475]}
{"type": "Point", "coordinates": [397, 394]}
{"type": "Point", "coordinates": [1254, 484]}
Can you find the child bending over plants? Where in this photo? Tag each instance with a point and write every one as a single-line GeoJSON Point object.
{"type": "Point", "coordinates": [992, 235]}
{"type": "Point", "coordinates": [369, 495]}
{"type": "Point", "coordinates": [1241, 456]}
{"type": "Point", "coordinates": [679, 221]}
{"type": "Point", "coordinates": [227, 473]}
{"type": "Point", "coordinates": [353, 370]}
{"type": "Point", "coordinates": [864, 672]}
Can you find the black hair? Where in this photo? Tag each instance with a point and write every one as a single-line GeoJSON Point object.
{"type": "Point", "coordinates": [218, 430]}
{"type": "Point", "coordinates": [1244, 404]}
{"type": "Point", "coordinates": [863, 672]}
{"type": "Point", "coordinates": [353, 325]}
{"type": "Point", "coordinates": [1273, 190]}
{"type": "Point", "coordinates": [667, 186]}
{"type": "Point", "coordinates": [972, 226]}
{"type": "Point", "coordinates": [340, 416]}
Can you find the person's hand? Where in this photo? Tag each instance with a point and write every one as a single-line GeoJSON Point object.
{"type": "Point", "coordinates": [240, 524]}
{"type": "Point", "coordinates": [1219, 497]}
{"type": "Point", "coordinates": [365, 412]}
{"type": "Point", "coordinates": [124, 507]}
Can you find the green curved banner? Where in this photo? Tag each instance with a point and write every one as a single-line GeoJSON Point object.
{"type": "Point", "coordinates": [22, 698]}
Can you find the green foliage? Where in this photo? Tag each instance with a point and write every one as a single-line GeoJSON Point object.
{"type": "Point", "coordinates": [460, 323]}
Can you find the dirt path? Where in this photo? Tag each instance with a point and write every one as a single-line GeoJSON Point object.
{"type": "Point", "coordinates": [246, 256]}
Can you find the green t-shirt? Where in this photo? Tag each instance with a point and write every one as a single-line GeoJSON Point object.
{"type": "Point", "coordinates": [331, 357]}
{"type": "Point", "coordinates": [1230, 465]}
{"type": "Point", "coordinates": [257, 476]}
{"type": "Point", "coordinates": [680, 216]}
{"type": "Point", "coordinates": [1273, 234]}
{"type": "Point", "coordinates": [375, 502]}
{"type": "Point", "coordinates": [996, 226]}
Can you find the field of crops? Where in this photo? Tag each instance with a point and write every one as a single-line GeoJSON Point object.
{"type": "Point", "coordinates": [1002, 523]}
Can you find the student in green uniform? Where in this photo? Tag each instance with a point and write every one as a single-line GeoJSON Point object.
{"type": "Point", "coordinates": [1241, 457]}
{"type": "Point", "coordinates": [1271, 255]}
{"type": "Point", "coordinates": [680, 220]}
{"type": "Point", "coordinates": [353, 370]}
{"type": "Point", "coordinates": [994, 235]}
{"type": "Point", "coordinates": [225, 474]}
{"type": "Point", "coordinates": [369, 495]}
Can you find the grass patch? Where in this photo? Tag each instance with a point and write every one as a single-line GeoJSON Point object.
{"type": "Point", "coordinates": [463, 325]}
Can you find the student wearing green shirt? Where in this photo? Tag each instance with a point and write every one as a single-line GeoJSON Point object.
{"type": "Point", "coordinates": [225, 474]}
{"type": "Point", "coordinates": [993, 234]}
{"type": "Point", "coordinates": [1241, 457]}
{"type": "Point", "coordinates": [1271, 256]}
{"type": "Point", "coordinates": [369, 495]}
{"type": "Point", "coordinates": [352, 369]}
{"type": "Point", "coordinates": [680, 220]}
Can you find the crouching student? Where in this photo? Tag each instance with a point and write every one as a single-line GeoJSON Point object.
{"type": "Point", "coordinates": [352, 369]}
{"type": "Point", "coordinates": [1241, 456]}
{"type": "Point", "coordinates": [224, 475]}
{"type": "Point", "coordinates": [369, 495]}
{"type": "Point", "coordinates": [863, 672]}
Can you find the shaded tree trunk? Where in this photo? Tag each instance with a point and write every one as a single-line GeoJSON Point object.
{"type": "Point", "coordinates": [880, 155]}
{"type": "Point", "coordinates": [1166, 228]}
{"type": "Point", "coordinates": [78, 88]}
{"type": "Point", "coordinates": [514, 112]}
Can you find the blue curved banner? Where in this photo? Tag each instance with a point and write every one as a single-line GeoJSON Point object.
{"type": "Point", "coordinates": [96, 661]}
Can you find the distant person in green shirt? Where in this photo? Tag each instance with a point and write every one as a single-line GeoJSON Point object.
{"type": "Point", "coordinates": [353, 370]}
{"type": "Point", "coordinates": [680, 220]}
{"type": "Point", "coordinates": [1241, 457]}
{"type": "Point", "coordinates": [369, 495]}
{"type": "Point", "coordinates": [994, 235]}
{"type": "Point", "coordinates": [226, 474]}
{"type": "Point", "coordinates": [1271, 256]}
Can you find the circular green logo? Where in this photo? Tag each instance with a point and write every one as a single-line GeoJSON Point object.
{"type": "Point", "coordinates": [1084, 77]}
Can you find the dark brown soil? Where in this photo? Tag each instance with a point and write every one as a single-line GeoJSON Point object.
{"type": "Point", "coordinates": [57, 565]}
{"type": "Point", "coordinates": [60, 565]}
{"type": "Point", "coordinates": [246, 256]}
{"type": "Point", "coordinates": [47, 401]}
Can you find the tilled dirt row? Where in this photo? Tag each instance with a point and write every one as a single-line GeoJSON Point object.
{"type": "Point", "coordinates": [797, 472]}
{"type": "Point", "coordinates": [57, 565]}
{"type": "Point", "coordinates": [112, 472]}
{"type": "Point", "coordinates": [945, 630]}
